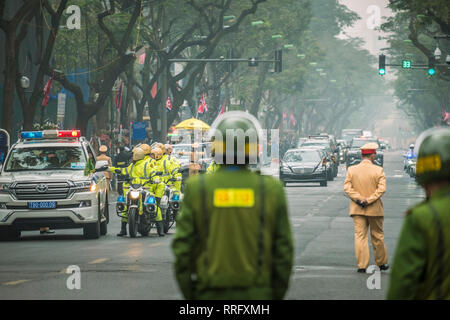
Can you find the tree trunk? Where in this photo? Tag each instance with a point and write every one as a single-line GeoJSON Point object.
{"type": "Point", "coordinates": [9, 82]}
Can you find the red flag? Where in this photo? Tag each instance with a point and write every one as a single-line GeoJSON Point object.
{"type": "Point", "coordinates": [292, 120]}
{"type": "Point", "coordinates": [203, 107]}
{"type": "Point", "coordinates": [284, 115]}
{"type": "Point", "coordinates": [47, 89]}
{"type": "Point", "coordinates": [118, 97]}
{"type": "Point", "coordinates": [222, 110]}
{"type": "Point", "coordinates": [168, 104]}
{"type": "Point", "coordinates": [154, 90]}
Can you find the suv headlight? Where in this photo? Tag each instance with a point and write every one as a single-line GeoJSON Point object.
{"type": "Point", "coordinates": [285, 168]}
{"type": "Point", "coordinates": [85, 186]}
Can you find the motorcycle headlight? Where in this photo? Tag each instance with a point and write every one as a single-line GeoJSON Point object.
{"type": "Point", "coordinates": [134, 194]}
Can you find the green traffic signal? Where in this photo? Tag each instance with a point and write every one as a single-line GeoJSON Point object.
{"type": "Point", "coordinates": [431, 65]}
{"type": "Point", "coordinates": [381, 64]}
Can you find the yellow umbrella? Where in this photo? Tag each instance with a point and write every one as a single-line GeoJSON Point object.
{"type": "Point", "coordinates": [192, 124]}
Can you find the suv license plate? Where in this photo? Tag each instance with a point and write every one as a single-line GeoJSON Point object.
{"type": "Point", "coordinates": [42, 205]}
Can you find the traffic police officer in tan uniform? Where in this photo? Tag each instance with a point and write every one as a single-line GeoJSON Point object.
{"type": "Point", "coordinates": [365, 183]}
{"type": "Point", "coordinates": [233, 238]}
{"type": "Point", "coordinates": [421, 268]}
{"type": "Point", "coordinates": [103, 157]}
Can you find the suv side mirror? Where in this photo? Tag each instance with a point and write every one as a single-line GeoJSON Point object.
{"type": "Point", "coordinates": [100, 164]}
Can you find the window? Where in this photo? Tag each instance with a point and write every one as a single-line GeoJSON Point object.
{"type": "Point", "coordinates": [46, 158]}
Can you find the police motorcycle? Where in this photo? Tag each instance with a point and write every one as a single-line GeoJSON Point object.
{"type": "Point", "coordinates": [140, 204]}
{"type": "Point", "coordinates": [409, 163]}
{"type": "Point", "coordinates": [170, 202]}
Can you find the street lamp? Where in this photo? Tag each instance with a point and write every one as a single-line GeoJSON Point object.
{"type": "Point", "coordinates": [437, 53]}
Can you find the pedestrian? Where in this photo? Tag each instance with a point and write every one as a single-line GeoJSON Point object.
{"type": "Point", "coordinates": [421, 268]}
{"type": "Point", "coordinates": [233, 237]}
{"type": "Point", "coordinates": [103, 157]}
{"type": "Point", "coordinates": [365, 183]}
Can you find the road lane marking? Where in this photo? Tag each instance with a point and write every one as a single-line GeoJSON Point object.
{"type": "Point", "coordinates": [157, 244]}
{"type": "Point", "coordinates": [97, 261]}
{"type": "Point", "coordinates": [13, 283]}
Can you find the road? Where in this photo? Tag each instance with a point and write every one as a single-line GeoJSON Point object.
{"type": "Point", "coordinates": [142, 268]}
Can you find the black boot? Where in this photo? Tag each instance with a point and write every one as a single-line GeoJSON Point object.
{"type": "Point", "coordinates": [160, 228]}
{"type": "Point", "coordinates": [123, 230]}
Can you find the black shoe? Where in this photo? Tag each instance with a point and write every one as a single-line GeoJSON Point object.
{"type": "Point", "coordinates": [383, 267]}
{"type": "Point", "coordinates": [123, 230]}
{"type": "Point", "coordinates": [47, 232]}
{"type": "Point", "coordinates": [361, 270]}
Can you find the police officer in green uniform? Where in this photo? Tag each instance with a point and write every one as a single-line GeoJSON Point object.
{"type": "Point", "coordinates": [421, 268]}
{"type": "Point", "coordinates": [233, 237]}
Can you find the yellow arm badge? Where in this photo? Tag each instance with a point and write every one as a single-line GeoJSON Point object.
{"type": "Point", "coordinates": [429, 163]}
{"type": "Point", "coordinates": [226, 198]}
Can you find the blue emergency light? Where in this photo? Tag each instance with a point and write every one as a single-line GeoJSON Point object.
{"type": "Point", "coordinates": [176, 197]}
{"type": "Point", "coordinates": [150, 200]}
{"type": "Point", "coordinates": [32, 134]}
{"type": "Point", "coordinates": [121, 198]}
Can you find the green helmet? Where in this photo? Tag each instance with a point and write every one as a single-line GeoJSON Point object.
{"type": "Point", "coordinates": [433, 161]}
{"type": "Point", "coordinates": [236, 134]}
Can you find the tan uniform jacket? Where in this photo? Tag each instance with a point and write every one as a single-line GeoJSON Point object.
{"type": "Point", "coordinates": [102, 157]}
{"type": "Point", "coordinates": [366, 181]}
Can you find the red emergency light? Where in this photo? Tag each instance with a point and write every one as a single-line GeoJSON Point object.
{"type": "Point", "coordinates": [69, 133]}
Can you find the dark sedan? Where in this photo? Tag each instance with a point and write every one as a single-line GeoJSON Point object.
{"type": "Point", "coordinates": [303, 165]}
{"type": "Point", "coordinates": [354, 153]}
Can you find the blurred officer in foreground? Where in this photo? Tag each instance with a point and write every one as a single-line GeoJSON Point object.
{"type": "Point", "coordinates": [365, 183]}
{"type": "Point", "coordinates": [233, 237]}
{"type": "Point", "coordinates": [421, 268]}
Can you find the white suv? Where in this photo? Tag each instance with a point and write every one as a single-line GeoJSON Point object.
{"type": "Point", "coordinates": [42, 184]}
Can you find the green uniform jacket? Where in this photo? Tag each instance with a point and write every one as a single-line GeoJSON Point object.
{"type": "Point", "coordinates": [239, 261]}
{"type": "Point", "coordinates": [415, 269]}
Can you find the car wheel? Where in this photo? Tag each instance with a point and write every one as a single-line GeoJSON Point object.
{"type": "Point", "coordinates": [106, 212]}
{"type": "Point", "coordinates": [330, 176]}
{"type": "Point", "coordinates": [9, 234]}
{"type": "Point", "coordinates": [104, 224]}
{"type": "Point", "coordinates": [92, 230]}
{"type": "Point", "coordinates": [323, 183]}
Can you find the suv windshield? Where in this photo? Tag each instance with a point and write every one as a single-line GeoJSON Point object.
{"type": "Point", "coordinates": [46, 158]}
{"type": "Point", "coordinates": [302, 156]}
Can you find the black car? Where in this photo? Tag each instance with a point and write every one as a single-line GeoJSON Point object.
{"type": "Point", "coordinates": [303, 165]}
{"type": "Point", "coordinates": [354, 153]}
{"type": "Point", "coordinates": [325, 142]}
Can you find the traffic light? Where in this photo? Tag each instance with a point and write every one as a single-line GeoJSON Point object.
{"type": "Point", "coordinates": [381, 64]}
{"type": "Point", "coordinates": [431, 65]}
{"type": "Point", "coordinates": [278, 60]}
